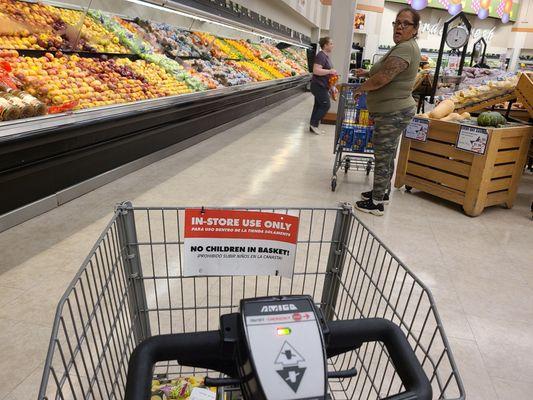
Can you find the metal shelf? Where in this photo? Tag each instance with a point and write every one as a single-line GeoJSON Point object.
{"type": "Point", "coordinates": [29, 126]}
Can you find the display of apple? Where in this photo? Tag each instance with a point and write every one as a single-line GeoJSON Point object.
{"type": "Point", "coordinates": [28, 26]}
{"type": "Point", "coordinates": [92, 82]}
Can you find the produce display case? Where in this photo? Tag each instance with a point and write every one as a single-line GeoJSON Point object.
{"type": "Point", "coordinates": [475, 181]}
{"type": "Point", "coordinates": [70, 59]}
{"type": "Point", "coordinates": [84, 91]}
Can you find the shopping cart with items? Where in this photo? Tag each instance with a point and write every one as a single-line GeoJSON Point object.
{"type": "Point", "coordinates": [351, 323]}
{"type": "Point", "coordinates": [352, 145]}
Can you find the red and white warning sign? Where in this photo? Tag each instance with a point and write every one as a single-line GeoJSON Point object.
{"type": "Point", "coordinates": [231, 242]}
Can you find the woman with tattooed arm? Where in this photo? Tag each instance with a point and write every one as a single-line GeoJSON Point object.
{"type": "Point", "coordinates": [391, 105]}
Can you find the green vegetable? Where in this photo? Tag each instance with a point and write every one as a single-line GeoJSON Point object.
{"type": "Point", "coordinates": [491, 118]}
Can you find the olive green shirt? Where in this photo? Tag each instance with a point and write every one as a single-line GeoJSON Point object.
{"type": "Point", "coordinates": [397, 94]}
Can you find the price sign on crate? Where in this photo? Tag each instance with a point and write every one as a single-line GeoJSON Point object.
{"type": "Point", "coordinates": [472, 139]}
{"type": "Point", "coordinates": [417, 129]}
{"type": "Point", "coordinates": [233, 242]}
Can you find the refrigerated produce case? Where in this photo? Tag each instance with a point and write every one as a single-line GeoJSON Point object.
{"type": "Point", "coordinates": [116, 88]}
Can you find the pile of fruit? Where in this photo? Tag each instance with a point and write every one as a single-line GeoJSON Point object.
{"type": "Point", "coordinates": [126, 37]}
{"type": "Point", "coordinates": [93, 37]}
{"type": "Point", "coordinates": [223, 73]}
{"type": "Point", "coordinates": [255, 72]}
{"type": "Point", "coordinates": [221, 49]}
{"type": "Point", "coordinates": [176, 70]}
{"type": "Point", "coordinates": [90, 82]}
{"type": "Point", "coordinates": [176, 42]}
{"type": "Point", "coordinates": [35, 26]}
{"type": "Point", "coordinates": [195, 69]}
{"type": "Point", "coordinates": [244, 48]}
{"type": "Point", "coordinates": [145, 50]}
{"type": "Point", "coordinates": [298, 55]}
{"type": "Point", "coordinates": [277, 58]}
{"type": "Point", "coordinates": [29, 26]}
{"type": "Point", "coordinates": [157, 77]}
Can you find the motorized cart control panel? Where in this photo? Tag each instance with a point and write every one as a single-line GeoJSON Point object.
{"type": "Point", "coordinates": [286, 350]}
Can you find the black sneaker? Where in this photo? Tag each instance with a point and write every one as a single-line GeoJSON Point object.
{"type": "Point", "coordinates": [368, 196]}
{"type": "Point", "coordinates": [368, 206]}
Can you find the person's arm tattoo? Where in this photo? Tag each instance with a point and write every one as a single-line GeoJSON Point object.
{"type": "Point", "coordinates": [391, 68]}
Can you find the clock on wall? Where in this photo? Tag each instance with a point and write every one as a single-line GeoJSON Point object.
{"type": "Point", "coordinates": [457, 37]}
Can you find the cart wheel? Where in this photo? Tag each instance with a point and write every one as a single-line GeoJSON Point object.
{"type": "Point", "coordinates": [368, 167]}
{"type": "Point", "coordinates": [333, 183]}
{"type": "Point", "coordinates": [346, 165]}
{"type": "Point", "coordinates": [408, 188]}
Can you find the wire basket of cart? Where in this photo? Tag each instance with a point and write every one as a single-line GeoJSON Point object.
{"type": "Point", "coordinates": [354, 128]}
{"type": "Point", "coordinates": [132, 288]}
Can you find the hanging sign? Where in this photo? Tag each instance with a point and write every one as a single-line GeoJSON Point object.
{"type": "Point", "coordinates": [472, 139]}
{"type": "Point", "coordinates": [417, 129]}
{"type": "Point", "coordinates": [454, 61]}
{"type": "Point", "coordinates": [231, 242]}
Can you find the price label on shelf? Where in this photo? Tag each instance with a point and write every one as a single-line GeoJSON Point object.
{"type": "Point", "coordinates": [472, 139]}
{"type": "Point", "coordinates": [417, 129]}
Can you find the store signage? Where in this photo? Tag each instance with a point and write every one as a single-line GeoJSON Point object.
{"type": "Point", "coordinates": [231, 242]}
{"type": "Point", "coordinates": [472, 139]}
{"type": "Point", "coordinates": [436, 29]}
{"type": "Point", "coordinates": [417, 129]}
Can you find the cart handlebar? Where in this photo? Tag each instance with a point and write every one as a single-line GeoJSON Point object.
{"type": "Point", "coordinates": [350, 335]}
{"type": "Point", "coordinates": [209, 350]}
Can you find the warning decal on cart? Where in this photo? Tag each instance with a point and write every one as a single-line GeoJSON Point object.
{"type": "Point", "coordinates": [230, 242]}
{"type": "Point", "coordinates": [292, 373]}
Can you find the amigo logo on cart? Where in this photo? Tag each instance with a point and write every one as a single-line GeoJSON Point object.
{"type": "Point", "coordinates": [279, 307]}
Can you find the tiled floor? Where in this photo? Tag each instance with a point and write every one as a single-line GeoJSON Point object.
{"type": "Point", "coordinates": [479, 269]}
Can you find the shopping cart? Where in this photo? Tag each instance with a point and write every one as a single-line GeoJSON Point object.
{"type": "Point", "coordinates": [352, 144]}
{"type": "Point", "coordinates": [131, 288]}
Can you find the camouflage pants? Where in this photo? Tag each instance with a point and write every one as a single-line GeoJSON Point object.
{"type": "Point", "coordinates": [388, 128]}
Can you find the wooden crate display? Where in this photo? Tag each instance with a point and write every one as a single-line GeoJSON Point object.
{"type": "Point", "coordinates": [471, 180]}
{"type": "Point", "coordinates": [524, 91]}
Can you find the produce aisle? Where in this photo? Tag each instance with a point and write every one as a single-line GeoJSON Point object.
{"type": "Point", "coordinates": [483, 287]}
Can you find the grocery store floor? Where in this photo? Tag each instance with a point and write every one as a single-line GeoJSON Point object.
{"type": "Point", "coordinates": [479, 269]}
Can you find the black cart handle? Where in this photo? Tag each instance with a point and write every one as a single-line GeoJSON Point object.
{"type": "Point", "coordinates": [206, 350]}
{"type": "Point", "coordinates": [350, 335]}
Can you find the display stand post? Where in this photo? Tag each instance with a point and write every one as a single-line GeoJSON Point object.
{"type": "Point", "coordinates": [481, 43]}
{"type": "Point", "coordinates": [447, 24]}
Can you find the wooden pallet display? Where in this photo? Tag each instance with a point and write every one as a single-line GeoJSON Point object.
{"type": "Point", "coordinates": [471, 180]}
